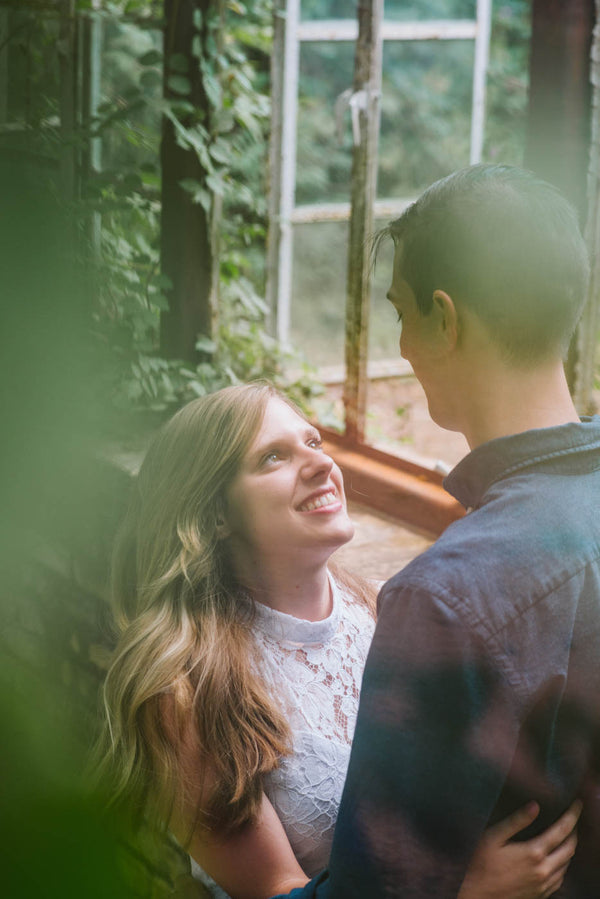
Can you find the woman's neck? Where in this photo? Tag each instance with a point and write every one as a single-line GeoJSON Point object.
{"type": "Point", "coordinates": [303, 593]}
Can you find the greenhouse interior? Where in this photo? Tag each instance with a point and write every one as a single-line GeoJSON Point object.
{"type": "Point", "coordinates": [192, 193]}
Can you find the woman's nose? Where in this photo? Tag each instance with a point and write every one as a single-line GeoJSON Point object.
{"type": "Point", "coordinates": [316, 462]}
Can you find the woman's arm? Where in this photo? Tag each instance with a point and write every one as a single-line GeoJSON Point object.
{"type": "Point", "coordinates": [535, 869]}
{"type": "Point", "coordinates": [254, 862]}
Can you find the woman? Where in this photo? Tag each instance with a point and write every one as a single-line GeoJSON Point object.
{"type": "Point", "coordinates": [233, 693]}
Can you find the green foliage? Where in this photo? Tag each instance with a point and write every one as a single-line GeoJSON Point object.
{"type": "Point", "coordinates": [508, 81]}
{"type": "Point", "coordinates": [424, 134]}
{"type": "Point", "coordinates": [119, 205]}
{"type": "Point", "coordinates": [425, 105]}
{"type": "Point", "coordinates": [231, 49]}
{"type": "Point", "coordinates": [426, 113]}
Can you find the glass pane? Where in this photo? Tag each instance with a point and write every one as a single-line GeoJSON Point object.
{"type": "Point", "coordinates": [324, 157]}
{"type": "Point", "coordinates": [419, 10]}
{"type": "Point", "coordinates": [394, 10]}
{"type": "Point", "coordinates": [508, 83]}
{"type": "Point", "coordinates": [425, 115]}
{"type": "Point", "coordinates": [398, 422]}
{"type": "Point", "coordinates": [328, 9]}
{"type": "Point", "coordinates": [31, 86]}
{"type": "Point", "coordinates": [124, 76]}
{"type": "Point", "coordinates": [319, 291]}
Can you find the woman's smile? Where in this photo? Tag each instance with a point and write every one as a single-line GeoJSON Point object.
{"type": "Point", "coordinates": [325, 500]}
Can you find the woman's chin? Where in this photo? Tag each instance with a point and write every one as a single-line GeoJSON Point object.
{"type": "Point", "coordinates": [346, 533]}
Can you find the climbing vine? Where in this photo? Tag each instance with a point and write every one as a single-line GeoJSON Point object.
{"type": "Point", "coordinates": [117, 201]}
{"type": "Point", "coordinates": [230, 143]}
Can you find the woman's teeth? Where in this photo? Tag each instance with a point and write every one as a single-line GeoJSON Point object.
{"type": "Point", "coordinates": [326, 500]}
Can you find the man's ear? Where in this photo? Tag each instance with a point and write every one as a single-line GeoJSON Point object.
{"type": "Point", "coordinates": [447, 317]}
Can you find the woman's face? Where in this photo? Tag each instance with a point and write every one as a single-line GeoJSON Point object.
{"type": "Point", "coordinates": [288, 498]}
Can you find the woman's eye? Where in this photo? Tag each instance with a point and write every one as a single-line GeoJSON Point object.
{"type": "Point", "coordinates": [273, 456]}
{"type": "Point", "coordinates": [315, 443]}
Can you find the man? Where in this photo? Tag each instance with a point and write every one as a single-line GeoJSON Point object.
{"type": "Point", "coordinates": [482, 688]}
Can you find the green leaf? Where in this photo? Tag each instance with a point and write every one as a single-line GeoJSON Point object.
{"type": "Point", "coordinates": [220, 151]}
{"type": "Point", "coordinates": [151, 78]}
{"type": "Point", "coordinates": [195, 137]}
{"type": "Point", "coordinates": [179, 84]}
{"type": "Point", "coordinates": [176, 108]}
{"type": "Point", "coordinates": [143, 244]}
{"type": "Point", "coordinates": [190, 185]}
{"type": "Point", "coordinates": [178, 62]}
{"type": "Point", "coordinates": [150, 179]}
{"type": "Point", "coordinates": [151, 58]}
{"type": "Point", "coordinates": [216, 184]}
{"type": "Point", "coordinates": [164, 281]}
{"type": "Point", "coordinates": [205, 344]}
{"type": "Point", "coordinates": [198, 192]}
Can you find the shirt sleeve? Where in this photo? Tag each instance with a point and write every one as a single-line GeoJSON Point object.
{"type": "Point", "coordinates": [435, 737]}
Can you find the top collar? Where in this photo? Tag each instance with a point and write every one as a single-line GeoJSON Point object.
{"type": "Point", "coordinates": [297, 632]}
{"type": "Point", "coordinates": [474, 475]}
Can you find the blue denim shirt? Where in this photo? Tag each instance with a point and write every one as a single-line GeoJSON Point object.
{"type": "Point", "coordinates": [482, 686]}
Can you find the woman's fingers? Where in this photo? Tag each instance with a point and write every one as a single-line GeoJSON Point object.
{"type": "Point", "coordinates": [510, 826]}
{"type": "Point", "coordinates": [558, 832]}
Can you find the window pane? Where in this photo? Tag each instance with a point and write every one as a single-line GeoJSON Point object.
{"type": "Point", "coordinates": [426, 114]}
{"type": "Point", "coordinates": [328, 9]}
{"type": "Point", "coordinates": [394, 10]}
{"type": "Point", "coordinates": [319, 291]}
{"type": "Point", "coordinates": [418, 10]}
{"type": "Point", "coordinates": [324, 157]}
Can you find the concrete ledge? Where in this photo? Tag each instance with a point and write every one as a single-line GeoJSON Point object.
{"type": "Point", "coordinates": [401, 489]}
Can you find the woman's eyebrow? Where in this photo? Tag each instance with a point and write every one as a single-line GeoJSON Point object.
{"type": "Point", "coordinates": [260, 451]}
{"type": "Point", "coordinates": [255, 456]}
{"type": "Point", "coordinates": [266, 447]}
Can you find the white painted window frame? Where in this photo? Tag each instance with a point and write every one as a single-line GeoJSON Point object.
{"type": "Point", "coordinates": [283, 212]}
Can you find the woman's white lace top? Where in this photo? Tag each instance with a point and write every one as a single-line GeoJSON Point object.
{"type": "Point", "coordinates": [314, 669]}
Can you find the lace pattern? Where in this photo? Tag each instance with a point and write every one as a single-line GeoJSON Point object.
{"type": "Point", "coordinates": [315, 669]}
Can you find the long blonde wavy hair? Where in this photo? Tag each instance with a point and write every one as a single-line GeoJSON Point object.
{"type": "Point", "coordinates": [182, 629]}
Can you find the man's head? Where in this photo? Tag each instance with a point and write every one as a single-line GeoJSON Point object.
{"type": "Point", "coordinates": [505, 246]}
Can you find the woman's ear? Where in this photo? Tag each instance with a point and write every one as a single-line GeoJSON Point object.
{"type": "Point", "coordinates": [447, 317]}
{"type": "Point", "coordinates": [221, 526]}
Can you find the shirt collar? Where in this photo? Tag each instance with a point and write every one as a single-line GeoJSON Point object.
{"type": "Point", "coordinates": [474, 475]}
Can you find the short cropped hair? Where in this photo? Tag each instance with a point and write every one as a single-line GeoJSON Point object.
{"type": "Point", "coordinates": [507, 245]}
